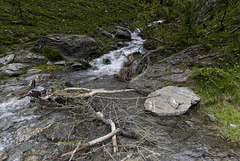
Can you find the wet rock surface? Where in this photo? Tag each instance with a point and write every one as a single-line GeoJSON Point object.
{"type": "Point", "coordinates": [122, 33]}
{"type": "Point", "coordinates": [171, 100]}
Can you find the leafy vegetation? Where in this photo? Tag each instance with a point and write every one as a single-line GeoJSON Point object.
{"type": "Point", "coordinates": [31, 19]}
{"type": "Point", "coordinates": [47, 67]}
{"type": "Point", "coordinates": [52, 53]}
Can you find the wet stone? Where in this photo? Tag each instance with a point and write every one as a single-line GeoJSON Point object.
{"type": "Point", "coordinates": [32, 158]}
{"type": "Point", "coordinates": [106, 61]}
{"type": "Point", "coordinates": [34, 71]}
{"type": "Point", "coordinates": [7, 59]}
{"type": "Point", "coordinates": [16, 155]}
{"type": "Point", "coordinates": [61, 63]}
{"type": "Point", "coordinates": [26, 56]}
{"type": "Point", "coordinates": [212, 118]}
{"type": "Point", "coordinates": [122, 32]}
{"type": "Point", "coordinates": [13, 69]}
{"type": "Point", "coordinates": [3, 156]}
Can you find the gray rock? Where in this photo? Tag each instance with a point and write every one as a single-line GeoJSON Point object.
{"type": "Point", "coordinates": [106, 61]}
{"type": "Point", "coordinates": [107, 34]}
{"type": "Point", "coordinates": [122, 33]}
{"type": "Point", "coordinates": [57, 132]}
{"type": "Point", "coordinates": [76, 46]}
{"type": "Point", "coordinates": [33, 71]}
{"type": "Point", "coordinates": [13, 69]}
{"type": "Point", "coordinates": [7, 59]}
{"type": "Point", "coordinates": [144, 85]}
{"type": "Point", "coordinates": [80, 65]}
{"type": "Point", "coordinates": [28, 57]}
{"type": "Point", "coordinates": [32, 158]}
{"type": "Point", "coordinates": [16, 155]}
{"type": "Point", "coordinates": [62, 63]}
{"type": "Point", "coordinates": [212, 118]}
{"type": "Point", "coordinates": [174, 68]}
{"type": "Point", "coordinates": [178, 76]}
{"type": "Point", "coordinates": [3, 156]}
{"type": "Point", "coordinates": [38, 78]}
{"type": "Point", "coordinates": [171, 100]}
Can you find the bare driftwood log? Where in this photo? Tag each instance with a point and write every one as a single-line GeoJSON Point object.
{"type": "Point", "coordinates": [86, 92]}
{"type": "Point", "coordinates": [93, 142]}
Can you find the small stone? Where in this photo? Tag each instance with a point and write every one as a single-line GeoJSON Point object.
{"type": "Point", "coordinates": [7, 59]}
{"type": "Point", "coordinates": [106, 61]}
{"type": "Point", "coordinates": [122, 33]}
{"type": "Point", "coordinates": [233, 125]}
{"type": "Point", "coordinates": [212, 118]}
{"type": "Point", "coordinates": [62, 63]}
{"type": "Point", "coordinates": [32, 158]}
{"type": "Point", "coordinates": [107, 34]}
{"type": "Point", "coordinates": [3, 156]}
{"type": "Point", "coordinates": [34, 71]}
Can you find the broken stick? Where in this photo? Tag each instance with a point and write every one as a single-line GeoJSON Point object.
{"type": "Point", "coordinates": [93, 142]}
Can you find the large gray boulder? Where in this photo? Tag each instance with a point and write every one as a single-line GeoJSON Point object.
{"type": "Point", "coordinates": [76, 46]}
{"type": "Point", "coordinates": [171, 100]}
{"type": "Point", "coordinates": [26, 56]}
{"type": "Point", "coordinates": [13, 69]}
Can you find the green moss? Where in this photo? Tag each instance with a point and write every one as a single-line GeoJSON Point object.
{"type": "Point", "coordinates": [47, 67]}
{"type": "Point", "coordinates": [4, 78]}
{"type": "Point", "coordinates": [52, 53]}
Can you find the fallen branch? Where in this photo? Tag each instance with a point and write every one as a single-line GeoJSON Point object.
{"type": "Point", "coordinates": [93, 142]}
{"type": "Point", "coordinates": [91, 92]}
{"type": "Point", "coordinates": [114, 138]}
{"type": "Point", "coordinates": [235, 30]}
{"type": "Point", "coordinates": [127, 157]}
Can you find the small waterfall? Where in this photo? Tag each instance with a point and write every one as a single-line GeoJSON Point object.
{"type": "Point", "coordinates": [116, 57]}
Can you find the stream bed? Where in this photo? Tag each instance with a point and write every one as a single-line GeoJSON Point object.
{"type": "Point", "coordinates": [32, 130]}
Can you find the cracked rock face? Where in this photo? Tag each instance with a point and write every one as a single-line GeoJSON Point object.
{"type": "Point", "coordinates": [171, 100]}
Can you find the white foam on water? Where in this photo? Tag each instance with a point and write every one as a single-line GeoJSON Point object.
{"type": "Point", "coordinates": [116, 57]}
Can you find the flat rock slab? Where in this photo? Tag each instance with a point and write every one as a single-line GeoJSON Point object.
{"type": "Point", "coordinates": [171, 100]}
{"type": "Point", "coordinates": [26, 56]}
{"type": "Point", "coordinates": [7, 59]}
{"type": "Point", "coordinates": [13, 69]}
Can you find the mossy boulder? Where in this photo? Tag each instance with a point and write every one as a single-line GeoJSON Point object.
{"type": "Point", "coordinates": [71, 46]}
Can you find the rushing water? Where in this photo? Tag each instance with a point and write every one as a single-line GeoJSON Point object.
{"type": "Point", "coordinates": [116, 57]}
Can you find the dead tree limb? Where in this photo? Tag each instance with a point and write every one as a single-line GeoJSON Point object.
{"type": "Point", "coordinates": [93, 142]}
{"type": "Point", "coordinates": [234, 30]}
{"type": "Point", "coordinates": [88, 92]}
